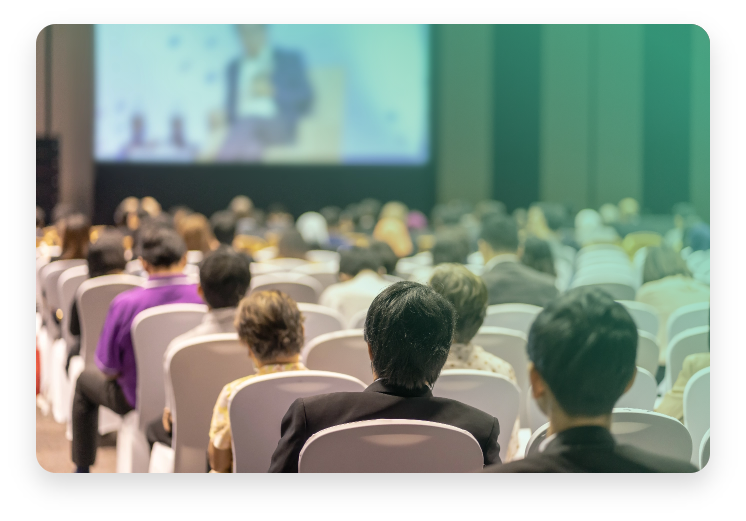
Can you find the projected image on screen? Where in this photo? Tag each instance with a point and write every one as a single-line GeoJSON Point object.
{"type": "Point", "coordinates": [325, 94]}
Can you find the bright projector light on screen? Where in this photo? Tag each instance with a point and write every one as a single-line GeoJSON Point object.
{"type": "Point", "coordinates": [323, 94]}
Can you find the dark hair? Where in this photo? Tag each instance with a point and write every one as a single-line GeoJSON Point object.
{"type": "Point", "coordinates": [40, 216]}
{"type": "Point", "coordinates": [554, 214]}
{"type": "Point", "coordinates": [106, 254]}
{"type": "Point", "coordinates": [450, 247]}
{"type": "Point", "coordinates": [500, 232]}
{"type": "Point", "coordinates": [538, 255]}
{"type": "Point", "coordinates": [271, 324]}
{"type": "Point", "coordinates": [468, 294]}
{"type": "Point", "coordinates": [292, 245]}
{"type": "Point", "coordinates": [697, 237]}
{"type": "Point", "coordinates": [160, 246]}
{"type": "Point", "coordinates": [224, 276]}
{"type": "Point", "coordinates": [224, 226]}
{"type": "Point", "coordinates": [197, 233]}
{"type": "Point", "coordinates": [386, 256]}
{"type": "Point", "coordinates": [662, 261]}
{"type": "Point", "coordinates": [331, 214]}
{"type": "Point", "coordinates": [584, 345]}
{"type": "Point", "coordinates": [76, 236]}
{"type": "Point", "coordinates": [356, 259]}
{"type": "Point", "coordinates": [409, 328]}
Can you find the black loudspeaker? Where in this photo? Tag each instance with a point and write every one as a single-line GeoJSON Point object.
{"type": "Point", "coordinates": [47, 174]}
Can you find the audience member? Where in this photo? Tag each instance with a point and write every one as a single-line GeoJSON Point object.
{"type": "Point", "coordinates": [468, 295]}
{"type": "Point", "coordinates": [684, 217]}
{"type": "Point", "coordinates": [178, 214]}
{"type": "Point", "coordinates": [223, 224]}
{"type": "Point", "coordinates": [105, 257]}
{"type": "Point", "coordinates": [667, 286]}
{"type": "Point", "coordinates": [224, 279]}
{"type": "Point", "coordinates": [125, 216]}
{"type": "Point", "coordinates": [338, 225]}
{"type": "Point", "coordinates": [408, 329]}
{"type": "Point", "coordinates": [394, 210]}
{"type": "Point", "coordinates": [75, 237]}
{"type": "Point", "coordinates": [538, 255]}
{"type": "Point", "coordinates": [394, 232]}
{"type": "Point", "coordinates": [197, 234]}
{"type": "Point", "coordinates": [40, 216]}
{"type": "Point", "coordinates": [270, 324]}
{"type": "Point", "coordinates": [292, 246]}
{"type": "Point", "coordinates": [386, 255]}
{"type": "Point", "coordinates": [697, 252]}
{"type": "Point", "coordinates": [582, 348]}
{"type": "Point", "coordinates": [113, 382]}
{"type": "Point", "coordinates": [312, 226]}
{"type": "Point", "coordinates": [508, 281]}
{"type": "Point", "coordinates": [360, 281]}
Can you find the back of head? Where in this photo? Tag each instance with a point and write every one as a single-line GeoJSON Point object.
{"type": "Point", "coordinates": [394, 233]}
{"type": "Point", "coordinates": [662, 261]}
{"type": "Point", "coordinates": [196, 231]}
{"type": "Point", "coordinates": [629, 209]}
{"type": "Point", "coordinates": [609, 213]}
{"type": "Point", "coordinates": [698, 237]}
{"type": "Point", "coordinates": [127, 206]}
{"type": "Point", "coordinates": [555, 215]}
{"type": "Point", "coordinates": [356, 259]}
{"type": "Point", "coordinates": [160, 246]}
{"type": "Point", "coordinates": [150, 206]}
{"type": "Point", "coordinates": [106, 255]}
{"type": "Point", "coordinates": [584, 345]}
{"type": "Point", "coordinates": [40, 217]}
{"type": "Point", "coordinates": [468, 295]}
{"type": "Point", "coordinates": [394, 210]}
{"type": "Point", "coordinates": [224, 226]}
{"type": "Point", "coordinates": [224, 276]}
{"type": "Point", "coordinates": [271, 324]}
{"type": "Point", "coordinates": [292, 245]}
{"type": "Point", "coordinates": [409, 328]}
{"type": "Point", "coordinates": [450, 246]}
{"type": "Point", "coordinates": [76, 236]}
{"type": "Point", "coordinates": [386, 256]}
{"type": "Point", "coordinates": [538, 255]}
{"type": "Point", "coordinates": [312, 226]}
{"type": "Point", "coordinates": [500, 233]}
{"type": "Point", "coordinates": [331, 215]}
{"type": "Point", "coordinates": [241, 206]}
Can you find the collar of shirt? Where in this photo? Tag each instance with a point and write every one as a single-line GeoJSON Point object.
{"type": "Point", "coordinates": [590, 435]}
{"type": "Point", "coordinates": [497, 259]}
{"type": "Point", "coordinates": [379, 386]}
{"type": "Point", "coordinates": [278, 368]}
{"type": "Point", "coordinates": [155, 281]}
{"type": "Point", "coordinates": [219, 315]}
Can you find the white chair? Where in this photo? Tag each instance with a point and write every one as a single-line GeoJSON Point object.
{"type": "Point", "coordinates": [326, 274]}
{"type": "Point", "coordinates": [645, 316]}
{"type": "Point", "coordinates": [297, 286]}
{"type": "Point", "coordinates": [488, 392]}
{"type": "Point", "coordinates": [67, 286]}
{"type": "Point", "coordinates": [358, 320]}
{"type": "Point", "coordinates": [49, 276]}
{"type": "Point", "coordinates": [259, 404]}
{"type": "Point", "coordinates": [342, 352]}
{"type": "Point", "coordinates": [319, 320]}
{"type": "Point", "coordinates": [592, 249]}
{"type": "Point", "coordinates": [621, 288]}
{"type": "Point", "coordinates": [697, 409]}
{"type": "Point", "coordinates": [648, 351]}
{"type": "Point", "coordinates": [641, 395]}
{"type": "Point", "coordinates": [704, 450]}
{"type": "Point", "coordinates": [198, 370]}
{"type": "Point", "coordinates": [688, 317]}
{"type": "Point", "coordinates": [512, 316]}
{"type": "Point", "coordinates": [649, 431]}
{"type": "Point", "coordinates": [263, 268]}
{"type": "Point", "coordinates": [152, 331]}
{"type": "Point", "coordinates": [510, 345]}
{"type": "Point", "coordinates": [686, 343]}
{"type": "Point", "coordinates": [391, 446]}
{"type": "Point", "coordinates": [324, 256]}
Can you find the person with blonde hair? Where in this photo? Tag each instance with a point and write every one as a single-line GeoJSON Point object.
{"type": "Point", "coordinates": [197, 233]}
{"type": "Point", "coordinates": [76, 231]}
{"type": "Point", "coordinates": [394, 232]}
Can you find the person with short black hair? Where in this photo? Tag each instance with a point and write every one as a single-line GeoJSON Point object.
{"type": "Point", "coordinates": [223, 225]}
{"type": "Point", "coordinates": [224, 279]}
{"type": "Point", "coordinates": [408, 329]}
{"type": "Point", "coordinates": [113, 382]}
{"type": "Point", "coordinates": [386, 255]}
{"type": "Point", "coordinates": [360, 281]}
{"type": "Point", "coordinates": [537, 254]}
{"type": "Point", "coordinates": [582, 348]}
{"type": "Point", "coordinates": [508, 281]}
{"type": "Point", "coordinates": [292, 245]}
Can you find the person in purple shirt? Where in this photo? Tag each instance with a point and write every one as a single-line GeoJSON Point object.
{"type": "Point", "coordinates": [113, 382]}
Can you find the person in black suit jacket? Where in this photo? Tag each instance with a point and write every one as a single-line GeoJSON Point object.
{"type": "Point", "coordinates": [582, 348]}
{"type": "Point", "coordinates": [508, 281]}
{"type": "Point", "coordinates": [408, 329]}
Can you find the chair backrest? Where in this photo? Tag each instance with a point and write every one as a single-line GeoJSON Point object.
{"type": "Point", "coordinates": [198, 370]}
{"type": "Point", "coordinates": [358, 320]}
{"type": "Point", "coordinates": [644, 315]}
{"type": "Point", "coordinates": [512, 316]}
{"type": "Point", "coordinates": [343, 352]}
{"type": "Point", "coordinates": [263, 268]}
{"type": "Point", "coordinates": [618, 290]}
{"type": "Point", "coordinates": [194, 256]}
{"type": "Point", "coordinates": [697, 409]}
{"type": "Point", "coordinates": [649, 431]}
{"type": "Point", "coordinates": [704, 450]}
{"type": "Point", "coordinates": [319, 320]}
{"type": "Point", "coordinates": [642, 394]}
{"type": "Point", "coordinates": [49, 275]}
{"type": "Point", "coordinates": [94, 297]}
{"type": "Point", "coordinates": [689, 342]}
{"type": "Point", "coordinates": [67, 286]}
{"type": "Point", "coordinates": [300, 287]}
{"type": "Point", "coordinates": [391, 446]}
{"type": "Point", "coordinates": [323, 256]}
{"type": "Point", "coordinates": [488, 392]}
{"type": "Point", "coordinates": [152, 331]}
{"type": "Point", "coordinates": [326, 274]}
{"type": "Point", "coordinates": [648, 351]}
{"type": "Point", "coordinates": [688, 317]}
{"type": "Point", "coordinates": [259, 404]}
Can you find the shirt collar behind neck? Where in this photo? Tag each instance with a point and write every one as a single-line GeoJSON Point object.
{"type": "Point", "coordinates": [498, 259]}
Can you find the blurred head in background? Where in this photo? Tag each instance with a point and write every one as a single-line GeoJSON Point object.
{"type": "Point", "coordinates": [537, 254]}
{"type": "Point", "coordinates": [629, 210]}
{"type": "Point", "coordinates": [394, 210]}
{"type": "Point", "coordinates": [468, 295]}
{"type": "Point", "coordinates": [609, 214]}
{"type": "Point", "coordinates": [241, 206]}
{"type": "Point", "coordinates": [197, 234]}
{"type": "Point", "coordinates": [499, 236]}
{"type": "Point", "coordinates": [394, 232]}
{"type": "Point", "coordinates": [355, 260]}
{"type": "Point", "coordinates": [179, 213]}
{"type": "Point", "coordinates": [292, 245]}
{"type": "Point", "coordinates": [312, 226]}
{"type": "Point", "coordinates": [125, 215]}
{"type": "Point", "coordinates": [223, 224]}
{"type": "Point", "coordinates": [106, 255]}
{"type": "Point", "coordinates": [150, 206]}
{"type": "Point", "coordinates": [698, 237]}
{"type": "Point", "coordinates": [663, 261]}
{"type": "Point", "coordinates": [386, 256]}
{"type": "Point", "coordinates": [76, 235]}
{"type": "Point", "coordinates": [450, 247]}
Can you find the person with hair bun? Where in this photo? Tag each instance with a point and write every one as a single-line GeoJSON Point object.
{"type": "Point", "coordinates": [270, 324]}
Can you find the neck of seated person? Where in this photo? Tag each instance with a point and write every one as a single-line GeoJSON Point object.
{"type": "Point", "coordinates": [162, 271]}
{"type": "Point", "coordinates": [560, 421]}
{"type": "Point", "coordinates": [292, 359]}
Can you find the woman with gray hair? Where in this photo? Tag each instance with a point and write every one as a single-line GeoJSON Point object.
{"type": "Point", "coordinates": [468, 294]}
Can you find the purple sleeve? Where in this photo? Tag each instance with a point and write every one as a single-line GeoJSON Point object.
{"type": "Point", "coordinates": [108, 358]}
